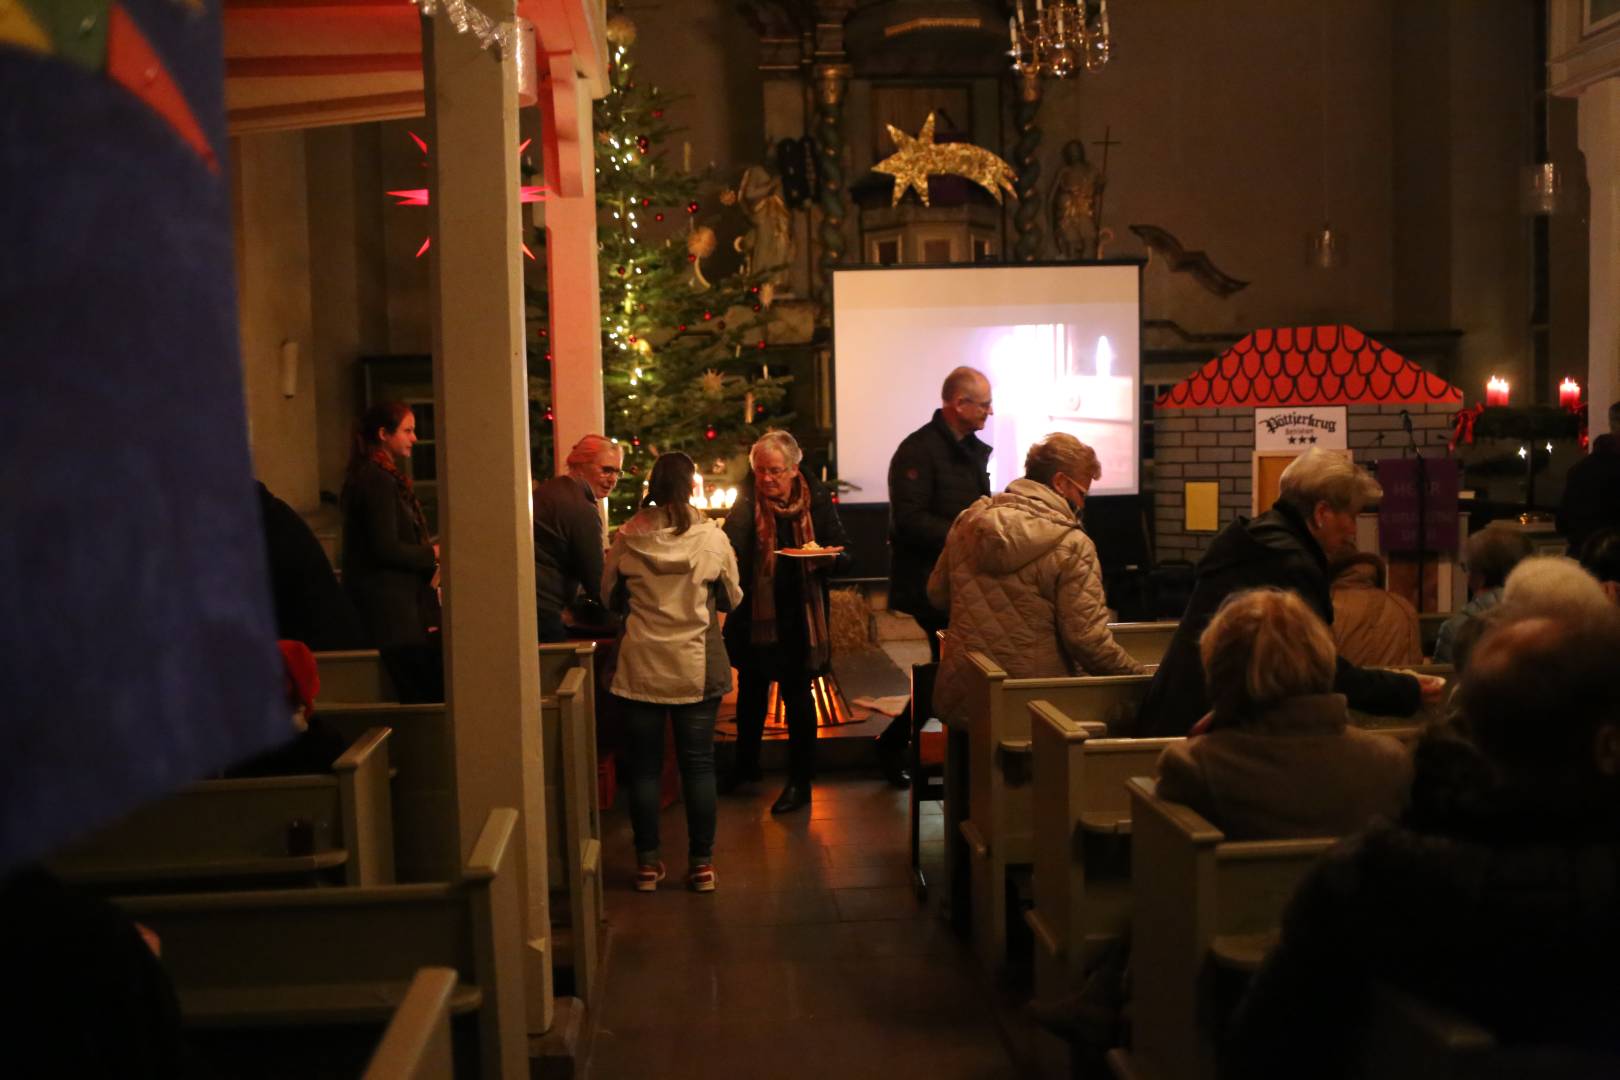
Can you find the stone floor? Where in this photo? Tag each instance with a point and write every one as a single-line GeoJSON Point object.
{"type": "Point", "coordinates": [813, 958]}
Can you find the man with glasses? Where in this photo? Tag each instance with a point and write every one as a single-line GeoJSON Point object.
{"type": "Point", "coordinates": [568, 543]}
{"type": "Point", "coordinates": [935, 474]}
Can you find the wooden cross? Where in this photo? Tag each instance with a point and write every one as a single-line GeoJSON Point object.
{"type": "Point", "coordinates": [1105, 142]}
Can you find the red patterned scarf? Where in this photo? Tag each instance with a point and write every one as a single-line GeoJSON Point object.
{"type": "Point", "coordinates": [762, 630]}
{"type": "Point", "coordinates": [384, 460]}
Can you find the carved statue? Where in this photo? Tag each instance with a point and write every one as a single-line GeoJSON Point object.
{"type": "Point", "coordinates": [767, 247]}
{"type": "Point", "coordinates": [1076, 198]}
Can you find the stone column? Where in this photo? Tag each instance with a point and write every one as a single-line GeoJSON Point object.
{"type": "Point", "coordinates": [492, 674]}
{"type": "Point", "coordinates": [1026, 157]}
{"type": "Point", "coordinates": [1600, 142]}
{"type": "Point", "coordinates": [831, 82]}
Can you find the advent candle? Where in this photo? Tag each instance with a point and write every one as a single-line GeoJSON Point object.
{"type": "Point", "coordinates": [748, 407]}
{"type": "Point", "coordinates": [1569, 394]}
{"type": "Point", "coordinates": [686, 157]}
{"type": "Point", "coordinates": [1012, 33]}
{"type": "Point", "coordinates": [1496, 391]}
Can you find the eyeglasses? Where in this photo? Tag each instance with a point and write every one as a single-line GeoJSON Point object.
{"type": "Point", "coordinates": [772, 473]}
{"type": "Point", "coordinates": [965, 400]}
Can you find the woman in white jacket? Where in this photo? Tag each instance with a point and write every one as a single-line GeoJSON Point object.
{"type": "Point", "coordinates": [670, 566]}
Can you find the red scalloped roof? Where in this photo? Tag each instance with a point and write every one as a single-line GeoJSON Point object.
{"type": "Point", "coordinates": [1309, 365]}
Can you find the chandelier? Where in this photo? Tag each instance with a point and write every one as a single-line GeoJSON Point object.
{"type": "Point", "coordinates": [1060, 38]}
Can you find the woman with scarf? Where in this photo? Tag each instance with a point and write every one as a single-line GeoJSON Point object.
{"type": "Point", "coordinates": [389, 561]}
{"type": "Point", "coordinates": [779, 632]}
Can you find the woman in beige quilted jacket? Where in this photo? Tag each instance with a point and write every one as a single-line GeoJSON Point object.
{"type": "Point", "coordinates": [1020, 579]}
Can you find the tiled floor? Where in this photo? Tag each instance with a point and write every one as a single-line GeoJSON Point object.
{"type": "Point", "coordinates": [813, 958]}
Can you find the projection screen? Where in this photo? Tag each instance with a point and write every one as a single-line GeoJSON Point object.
{"type": "Point", "coordinates": [1061, 344]}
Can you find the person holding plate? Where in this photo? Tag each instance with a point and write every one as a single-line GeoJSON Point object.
{"type": "Point", "coordinates": [787, 537]}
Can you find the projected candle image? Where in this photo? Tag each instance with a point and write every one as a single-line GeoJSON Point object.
{"type": "Point", "coordinates": [1061, 346]}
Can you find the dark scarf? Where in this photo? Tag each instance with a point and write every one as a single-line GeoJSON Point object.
{"type": "Point", "coordinates": [407, 492]}
{"type": "Point", "coordinates": [762, 630]}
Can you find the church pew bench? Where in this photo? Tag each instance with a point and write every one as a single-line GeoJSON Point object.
{"type": "Point", "coordinates": [1202, 905]}
{"type": "Point", "coordinates": [300, 958]}
{"type": "Point", "coordinates": [998, 831]}
{"type": "Point", "coordinates": [573, 829]}
{"type": "Point", "coordinates": [416, 1043]}
{"type": "Point", "coordinates": [1145, 641]}
{"type": "Point", "coordinates": [1081, 848]}
{"type": "Point", "coordinates": [422, 750]}
{"type": "Point", "coordinates": [254, 832]}
{"type": "Point", "coordinates": [353, 675]}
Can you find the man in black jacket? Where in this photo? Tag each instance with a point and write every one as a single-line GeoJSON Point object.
{"type": "Point", "coordinates": [568, 532]}
{"type": "Point", "coordinates": [1592, 490]}
{"type": "Point", "coordinates": [1287, 547]}
{"type": "Point", "coordinates": [935, 474]}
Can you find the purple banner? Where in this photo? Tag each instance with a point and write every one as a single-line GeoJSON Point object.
{"type": "Point", "coordinates": [1398, 512]}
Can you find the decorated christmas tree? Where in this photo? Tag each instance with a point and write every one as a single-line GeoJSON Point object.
{"type": "Point", "coordinates": [683, 361]}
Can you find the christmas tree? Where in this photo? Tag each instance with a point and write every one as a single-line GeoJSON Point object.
{"type": "Point", "coordinates": [682, 358]}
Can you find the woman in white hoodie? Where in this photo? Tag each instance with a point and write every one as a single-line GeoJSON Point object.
{"type": "Point", "coordinates": [673, 570]}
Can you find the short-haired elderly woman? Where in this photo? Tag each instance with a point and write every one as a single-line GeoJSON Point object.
{"type": "Point", "coordinates": [1278, 757]}
{"type": "Point", "coordinates": [779, 631]}
{"type": "Point", "coordinates": [1020, 579]}
{"type": "Point", "coordinates": [1288, 547]}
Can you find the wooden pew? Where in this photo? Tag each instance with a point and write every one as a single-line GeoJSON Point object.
{"type": "Point", "coordinates": [235, 833]}
{"type": "Point", "coordinates": [1082, 824]}
{"type": "Point", "coordinates": [998, 828]}
{"type": "Point", "coordinates": [1201, 904]}
{"type": "Point", "coordinates": [416, 1043]}
{"type": "Point", "coordinates": [573, 829]}
{"type": "Point", "coordinates": [353, 676]}
{"type": "Point", "coordinates": [294, 958]}
{"type": "Point", "coordinates": [1145, 641]}
{"type": "Point", "coordinates": [423, 751]}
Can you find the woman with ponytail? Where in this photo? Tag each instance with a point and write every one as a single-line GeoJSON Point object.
{"type": "Point", "coordinates": [1277, 756]}
{"type": "Point", "coordinates": [672, 571]}
{"type": "Point", "coordinates": [389, 560]}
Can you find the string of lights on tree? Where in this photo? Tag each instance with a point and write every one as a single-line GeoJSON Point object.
{"type": "Point", "coordinates": [683, 360]}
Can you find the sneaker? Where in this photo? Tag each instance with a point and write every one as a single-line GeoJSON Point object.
{"type": "Point", "coordinates": [701, 879]}
{"type": "Point", "coordinates": [648, 877]}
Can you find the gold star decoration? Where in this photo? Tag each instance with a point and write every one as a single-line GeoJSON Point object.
{"type": "Point", "coordinates": [714, 383]}
{"type": "Point", "coordinates": [920, 157]}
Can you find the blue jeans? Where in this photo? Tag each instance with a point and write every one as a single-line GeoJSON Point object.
{"type": "Point", "coordinates": [643, 747]}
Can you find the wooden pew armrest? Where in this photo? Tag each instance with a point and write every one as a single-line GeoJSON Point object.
{"type": "Point", "coordinates": [1045, 939]}
{"type": "Point", "coordinates": [1106, 822]}
{"type": "Point", "coordinates": [590, 857]}
{"type": "Point", "coordinates": [100, 872]}
{"type": "Point", "coordinates": [416, 1042]}
{"type": "Point", "coordinates": [295, 1005]}
{"type": "Point", "coordinates": [977, 845]}
{"type": "Point", "coordinates": [1242, 952]}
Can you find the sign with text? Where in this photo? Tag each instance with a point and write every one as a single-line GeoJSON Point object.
{"type": "Point", "coordinates": [1300, 427]}
{"type": "Point", "coordinates": [1398, 512]}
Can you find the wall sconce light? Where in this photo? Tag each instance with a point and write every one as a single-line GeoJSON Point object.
{"type": "Point", "coordinates": [289, 368]}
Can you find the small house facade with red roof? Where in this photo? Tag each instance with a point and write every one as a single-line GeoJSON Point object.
{"type": "Point", "coordinates": [1204, 426]}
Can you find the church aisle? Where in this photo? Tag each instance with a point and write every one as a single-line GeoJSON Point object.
{"type": "Point", "coordinates": [813, 958]}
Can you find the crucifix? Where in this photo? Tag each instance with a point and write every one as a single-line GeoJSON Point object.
{"type": "Point", "coordinates": [1106, 142]}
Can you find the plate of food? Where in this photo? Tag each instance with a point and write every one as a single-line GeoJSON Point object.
{"type": "Point", "coordinates": [809, 551]}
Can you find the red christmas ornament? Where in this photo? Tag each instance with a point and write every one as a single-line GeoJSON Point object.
{"type": "Point", "coordinates": [642, 143]}
{"type": "Point", "coordinates": [709, 434]}
{"type": "Point", "coordinates": [635, 440]}
{"type": "Point", "coordinates": [658, 217]}
{"type": "Point", "coordinates": [755, 289]}
{"type": "Point", "coordinates": [681, 329]}
{"type": "Point", "coordinates": [756, 307]}
{"type": "Point", "coordinates": [707, 315]}
{"type": "Point", "coordinates": [646, 202]}
{"type": "Point", "coordinates": [619, 270]}
{"type": "Point", "coordinates": [544, 332]}
{"type": "Point", "coordinates": [761, 344]}
{"type": "Point", "coordinates": [658, 114]}
{"type": "Point", "coordinates": [632, 339]}
{"type": "Point", "coordinates": [691, 208]}
{"type": "Point", "coordinates": [690, 257]}
{"type": "Point", "coordinates": [550, 415]}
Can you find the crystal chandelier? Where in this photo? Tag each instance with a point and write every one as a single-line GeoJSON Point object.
{"type": "Point", "coordinates": [1061, 37]}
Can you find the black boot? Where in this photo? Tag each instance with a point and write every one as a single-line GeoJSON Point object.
{"type": "Point", "coordinates": [892, 761]}
{"type": "Point", "coordinates": [795, 795]}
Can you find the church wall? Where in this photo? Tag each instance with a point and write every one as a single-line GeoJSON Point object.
{"type": "Point", "coordinates": [273, 288]}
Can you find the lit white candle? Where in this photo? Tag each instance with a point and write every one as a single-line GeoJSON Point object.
{"type": "Point", "coordinates": [1038, 8]}
{"type": "Point", "coordinates": [686, 157]}
{"type": "Point", "coordinates": [1012, 32]}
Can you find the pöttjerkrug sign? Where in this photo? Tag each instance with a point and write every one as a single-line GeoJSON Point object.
{"type": "Point", "coordinates": [1300, 427]}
